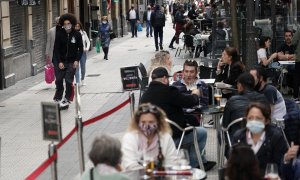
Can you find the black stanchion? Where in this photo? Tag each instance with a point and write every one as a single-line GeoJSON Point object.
{"type": "Point", "coordinates": [79, 125]}
{"type": "Point", "coordinates": [52, 151]}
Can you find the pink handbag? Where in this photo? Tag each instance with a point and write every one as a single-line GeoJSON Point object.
{"type": "Point", "coordinates": [49, 73]}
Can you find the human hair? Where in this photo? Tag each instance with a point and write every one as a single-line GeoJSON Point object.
{"type": "Point", "coordinates": [246, 80]}
{"type": "Point", "coordinates": [263, 40]}
{"type": "Point", "coordinates": [68, 16]}
{"type": "Point", "coordinates": [160, 60]}
{"type": "Point", "coordinates": [162, 125]}
{"type": "Point", "coordinates": [191, 62]}
{"type": "Point", "coordinates": [80, 25]}
{"type": "Point", "coordinates": [260, 72]}
{"type": "Point", "coordinates": [288, 31]}
{"type": "Point", "coordinates": [235, 57]}
{"type": "Point", "coordinates": [106, 149]}
{"type": "Point", "coordinates": [263, 107]}
{"type": "Point", "coordinates": [242, 164]}
{"type": "Point", "coordinates": [220, 25]}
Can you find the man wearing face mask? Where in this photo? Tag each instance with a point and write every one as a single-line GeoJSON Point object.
{"type": "Point", "coordinates": [273, 96]}
{"type": "Point", "coordinates": [146, 19]}
{"type": "Point", "coordinates": [133, 18]}
{"type": "Point", "coordinates": [70, 48]}
{"type": "Point", "coordinates": [172, 102]}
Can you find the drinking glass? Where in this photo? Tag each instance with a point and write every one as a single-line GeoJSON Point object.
{"type": "Point", "coordinates": [223, 102]}
{"type": "Point", "coordinates": [183, 158]}
{"type": "Point", "coordinates": [218, 96]}
{"type": "Point", "coordinates": [145, 161]}
{"type": "Point", "coordinates": [271, 171]}
{"type": "Point", "coordinates": [210, 64]}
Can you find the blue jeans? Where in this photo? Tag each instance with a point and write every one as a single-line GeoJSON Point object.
{"type": "Point", "coordinates": [81, 67]}
{"type": "Point", "coordinates": [148, 28]}
{"type": "Point", "coordinates": [188, 142]}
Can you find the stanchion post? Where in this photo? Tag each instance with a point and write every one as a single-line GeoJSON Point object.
{"type": "Point", "coordinates": [79, 125]}
{"type": "Point", "coordinates": [52, 150]}
{"type": "Point", "coordinates": [132, 102]}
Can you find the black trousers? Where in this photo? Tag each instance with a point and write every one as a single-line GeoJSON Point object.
{"type": "Point", "coordinates": [133, 27]}
{"type": "Point", "coordinates": [66, 74]}
{"type": "Point", "coordinates": [158, 32]}
{"type": "Point", "coordinates": [296, 80]}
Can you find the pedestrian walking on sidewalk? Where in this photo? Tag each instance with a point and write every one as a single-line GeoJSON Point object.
{"type": "Point", "coordinates": [69, 48]}
{"type": "Point", "coordinates": [50, 46]}
{"type": "Point", "coordinates": [133, 17]}
{"type": "Point", "coordinates": [146, 19]}
{"type": "Point", "coordinates": [86, 47]}
{"type": "Point", "coordinates": [104, 30]}
{"type": "Point", "coordinates": [179, 24]}
{"type": "Point", "coordinates": [158, 20]}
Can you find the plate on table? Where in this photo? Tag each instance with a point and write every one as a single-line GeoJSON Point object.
{"type": "Point", "coordinates": [198, 174]}
{"type": "Point", "coordinates": [181, 167]}
{"type": "Point", "coordinates": [222, 85]}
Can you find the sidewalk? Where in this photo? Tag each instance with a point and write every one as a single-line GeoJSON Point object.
{"type": "Point", "coordinates": [22, 146]}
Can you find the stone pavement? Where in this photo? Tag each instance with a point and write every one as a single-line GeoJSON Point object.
{"type": "Point", "coordinates": [22, 146]}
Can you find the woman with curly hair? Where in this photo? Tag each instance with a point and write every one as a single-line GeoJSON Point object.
{"type": "Point", "coordinates": [69, 47]}
{"type": "Point", "coordinates": [148, 131]}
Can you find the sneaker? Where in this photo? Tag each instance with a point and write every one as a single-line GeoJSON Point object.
{"type": "Point", "coordinates": [209, 165]}
{"type": "Point", "coordinates": [209, 124]}
{"type": "Point", "coordinates": [296, 100]}
{"type": "Point", "coordinates": [83, 83]}
{"type": "Point", "coordinates": [64, 104]}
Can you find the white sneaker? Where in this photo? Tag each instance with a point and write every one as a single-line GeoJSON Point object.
{"type": "Point", "coordinates": [83, 83]}
{"type": "Point", "coordinates": [64, 104]}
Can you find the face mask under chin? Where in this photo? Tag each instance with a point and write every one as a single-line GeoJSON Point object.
{"type": "Point", "coordinates": [68, 27]}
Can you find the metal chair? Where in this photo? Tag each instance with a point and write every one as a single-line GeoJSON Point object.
{"type": "Point", "coordinates": [181, 45]}
{"type": "Point", "coordinates": [183, 130]}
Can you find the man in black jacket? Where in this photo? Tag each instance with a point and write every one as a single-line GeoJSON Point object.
{"type": "Point", "coordinates": [179, 23]}
{"type": "Point", "coordinates": [158, 22]}
{"type": "Point", "coordinates": [172, 102]}
{"type": "Point", "coordinates": [236, 106]}
{"type": "Point", "coordinates": [69, 48]}
{"type": "Point", "coordinates": [146, 19]}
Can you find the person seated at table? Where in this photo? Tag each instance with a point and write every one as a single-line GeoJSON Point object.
{"type": "Point", "coordinates": [188, 83]}
{"type": "Point", "coordinates": [291, 163]}
{"type": "Point", "coordinates": [106, 156]}
{"type": "Point", "coordinates": [172, 102]}
{"type": "Point", "coordinates": [229, 68]}
{"type": "Point", "coordinates": [193, 14]}
{"type": "Point", "coordinates": [242, 164]}
{"type": "Point", "coordinates": [265, 139]}
{"type": "Point", "coordinates": [161, 59]}
{"type": "Point", "coordinates": [263, 58]}
{"type": "Point", "coordinates": [148, 131]}
{"type": "Point", "coordinates": [236, 106]}
{"type": "Point", "coordinates": [273, 96]}
{"type": "Point", "coordinates": [286, 52]}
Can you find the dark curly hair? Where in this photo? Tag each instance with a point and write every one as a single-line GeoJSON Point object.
{"type": "Point", "coordinates": [68, 16]}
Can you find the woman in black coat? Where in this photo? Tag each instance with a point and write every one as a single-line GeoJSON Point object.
{"type": "Point", "coordinates": [265, 139]}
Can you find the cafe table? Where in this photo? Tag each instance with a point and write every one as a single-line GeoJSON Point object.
{"type": "Point", "coordinates": [193, 174]}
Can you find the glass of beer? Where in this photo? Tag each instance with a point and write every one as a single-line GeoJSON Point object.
{"type": "Point", "coordinates": [218, 96]}
{"type": "Point", "coordinates": [148, 163]}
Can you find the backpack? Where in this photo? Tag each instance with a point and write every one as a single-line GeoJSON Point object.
{"type": "Point", "coordinates": [159, 19]}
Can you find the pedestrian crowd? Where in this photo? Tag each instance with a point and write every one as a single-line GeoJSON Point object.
{"type": "Point", "coordinates": [252, 145]}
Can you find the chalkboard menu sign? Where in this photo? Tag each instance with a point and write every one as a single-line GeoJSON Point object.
{"type": "Point", "coordinates": [130, 78]}
{"type": "Point", "coordinates": [51, 121]}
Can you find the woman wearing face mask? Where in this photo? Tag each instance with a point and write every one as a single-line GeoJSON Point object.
{"type": "Point", "coordinates": [86, 47]}
{"type": "Point", "coordinates": [147, 128]}
{"type": "Point", "coordinates": [104, 29]}
{"type": "Point", "coordinates": [264, 138]}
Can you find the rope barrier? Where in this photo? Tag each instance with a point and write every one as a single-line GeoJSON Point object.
{"type": "Point", "coordinates": [52, 158]}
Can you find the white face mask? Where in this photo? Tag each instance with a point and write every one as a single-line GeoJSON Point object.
{"type": "Point", "coordinates": [68, 27]}
{"type": "Point", "coordinates": [104, 22]}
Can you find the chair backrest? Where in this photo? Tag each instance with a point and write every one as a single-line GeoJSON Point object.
{"type": "Point", "coordinates": [142, 70]}
{"type": "Point", "coordinates": [189, 40]}
{"type": "Point", "coordinates": [226, 130]}
{"type": "Point", "coordinates": [205, 61]}
{"type": "Point", "coordinates": [207, 72]}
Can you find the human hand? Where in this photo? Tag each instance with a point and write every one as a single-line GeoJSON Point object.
{"type": "Point", "coordinates": [61, 65]}
{"type": "Point", "coordinates": [75, 65]}
{"type": "Point", "coordinates": [197, 92]}
{"type": "Point", "coordinates": [292, 152]}
{"type": "Point", "coordinates": [274, 55]}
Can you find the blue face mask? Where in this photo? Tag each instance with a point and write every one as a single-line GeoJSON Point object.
{"type": "Point", "coordinates": [255, 126]}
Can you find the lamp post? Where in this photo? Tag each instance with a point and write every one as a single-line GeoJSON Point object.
{"type": "Point", "coordinates": [251, 46]}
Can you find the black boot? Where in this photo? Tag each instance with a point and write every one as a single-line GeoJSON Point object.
{"type": "Point", "coordinates": [172, 41]}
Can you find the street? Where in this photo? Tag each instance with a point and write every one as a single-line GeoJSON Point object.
{"type": "Point", "coordinates": [22, 146]}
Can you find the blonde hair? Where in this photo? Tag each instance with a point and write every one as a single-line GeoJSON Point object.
{"type": "Point", "coordinates": [160, 60]}
{"type": "Point", "coordinates": [104, 18]}
{"type": "Point", "coordinates": [160, 115]}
